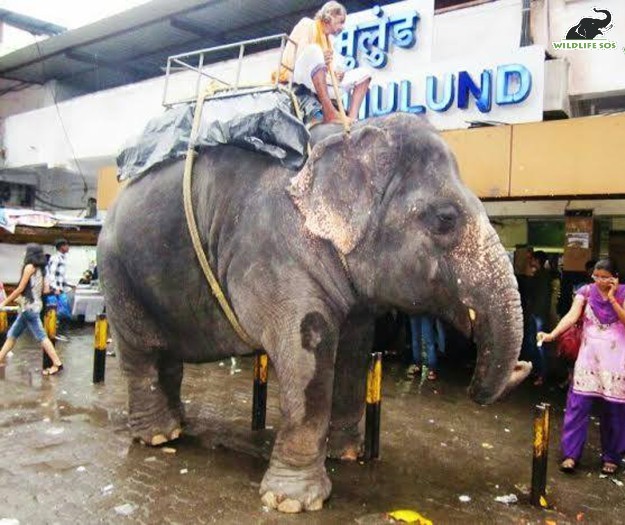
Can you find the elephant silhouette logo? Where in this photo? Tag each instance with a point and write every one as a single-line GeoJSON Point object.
{"type": "Point", "coordinates": [588, 28]}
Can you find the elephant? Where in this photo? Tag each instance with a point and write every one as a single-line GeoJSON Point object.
{"type": "Point", "coordinates": [374, 220]}
{"type": "Point", "coordinates": [589, 28]}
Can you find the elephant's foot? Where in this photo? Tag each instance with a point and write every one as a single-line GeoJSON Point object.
{"type": "Point", "coordinates": [345, 444]}
{"type": "Point", "coordinates": [160, 439]}
{"type": "Point", "coordinates": [292, 490]}
{"type": "Point", "coordinates": [158, 430]}
{"type": "Point", "coordinates": [155, 415]}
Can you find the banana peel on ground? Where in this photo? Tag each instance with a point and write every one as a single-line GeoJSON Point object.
{"type": "Point", "coordinates": [409, 516]}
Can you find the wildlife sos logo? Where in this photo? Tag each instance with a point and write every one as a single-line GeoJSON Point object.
{"type": "Point", "coordinates": [588, 33]}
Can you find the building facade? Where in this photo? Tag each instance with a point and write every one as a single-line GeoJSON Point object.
{"type": "Point", "coordinates": [529, 95]}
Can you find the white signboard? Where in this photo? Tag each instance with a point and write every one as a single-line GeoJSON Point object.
{"type": "Point", "coordinates": [386, 37]}
{"type": "Point", "coordinates": [395, 42]}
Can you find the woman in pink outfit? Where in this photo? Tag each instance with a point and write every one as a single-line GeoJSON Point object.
{"type": "Point", "coordinates": [599, 370]}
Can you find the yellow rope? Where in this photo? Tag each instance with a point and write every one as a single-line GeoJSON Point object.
{"type": "Point", "coordinates": [192, 224]}
{"type": "Point", "coordinates": [193, 231]}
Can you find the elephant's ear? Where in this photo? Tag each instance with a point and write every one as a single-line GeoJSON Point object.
{"type": "Point", "coordinates": [340, 185]}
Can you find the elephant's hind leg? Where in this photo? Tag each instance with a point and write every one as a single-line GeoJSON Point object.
{"type": "Point", "coordinates": [154, 405]}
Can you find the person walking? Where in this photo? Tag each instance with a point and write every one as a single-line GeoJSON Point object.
{"type": "Point", "coordinates": [57, 267]}
{"type": "Point", "coordinates": [599, 369]}
{"type": "Point", "coordinates": [29, 293]}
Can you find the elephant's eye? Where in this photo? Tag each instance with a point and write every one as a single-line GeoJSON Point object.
{"type": "Point", "coordinates": [441, 218]}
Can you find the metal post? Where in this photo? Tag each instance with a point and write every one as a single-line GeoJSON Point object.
{"type": "Point", "coordinates": [283, 41]}
{"type": "Point", "coordinates": [99, 352]}
{"type": "Point", "coordinates": [374, 407]}
{"type": "Point", "coordinates": [200, 66]}
{"type": "Point", "coordinates": [4, 326]}
{"type": "Point", "coordinates": [540, 456]}
{"type": "Point", "coordinates": [167, 73]}
{"type": "Point", "coordinates": [49, 322]}
{"type": "Point", "coordinates": [240, 64]}
{"type": "Point", "coordinates": [259, 402]}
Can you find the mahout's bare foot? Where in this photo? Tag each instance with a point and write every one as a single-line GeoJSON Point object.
{"type": "Point", "coordinates": [334, 117]}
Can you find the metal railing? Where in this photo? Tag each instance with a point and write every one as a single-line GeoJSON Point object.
{"type": "Point", "coordinates": [196, 61]}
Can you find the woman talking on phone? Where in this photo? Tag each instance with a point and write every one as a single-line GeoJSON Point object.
{"type": "Point", "coordinates": [31, 287]}
{"type": "Point", "coordinates": [599, 370]}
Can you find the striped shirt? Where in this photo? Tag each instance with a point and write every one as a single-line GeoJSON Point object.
{"type": "Point", "coordinates": [56, 272]}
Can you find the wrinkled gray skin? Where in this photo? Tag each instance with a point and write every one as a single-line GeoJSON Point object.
{"type": "Point", "coordinates": [388, 198]}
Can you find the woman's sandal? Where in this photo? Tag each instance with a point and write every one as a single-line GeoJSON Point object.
{"type": "Point", "coordinates": [568, 465]}
{"type": "Point", "coordinates": [608, 468]}
{"type": "Point", "coordinates": [53, 370]}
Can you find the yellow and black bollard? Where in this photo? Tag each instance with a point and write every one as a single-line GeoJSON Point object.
{"type": "Point", "coordinates": [374, 407]}
{"type": "Point", "coordinates": [4, 326]}
{"type": "Point", "coordinates": [541, 454]}
{"type": "Point", "coordinates": [49, 322]}
{"type": "Point", "coordinates": [99, 352]}
{"type": "Point", "coordinates": [259, 403]}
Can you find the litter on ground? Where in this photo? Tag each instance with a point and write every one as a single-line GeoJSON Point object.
{"type": "Point", "coordinates": [507, 499]}
{"type": "Point", "coordinates": [409, 516]}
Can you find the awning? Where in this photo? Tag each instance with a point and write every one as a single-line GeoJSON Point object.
{"type": "Point", "coordinates": [19, 176]}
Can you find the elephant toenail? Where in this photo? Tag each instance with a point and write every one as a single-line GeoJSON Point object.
{"type": "Point", "coordinates": [290, 506]}
{"type": "Point", "coordinates": [316, 504]}
{"type": "Point", "coordinates": [159, 439]}
{"type": "Point", "coordinates": [269, 500]}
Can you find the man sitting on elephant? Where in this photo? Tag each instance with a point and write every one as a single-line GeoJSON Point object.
{"type": "Point", "coordinates": [309, 54]}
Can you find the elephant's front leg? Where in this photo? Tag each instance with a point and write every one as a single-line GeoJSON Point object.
{"type": "Point", "coordinates": [350, 381]}
{"type": "Point", "coordinates": [303, 356]}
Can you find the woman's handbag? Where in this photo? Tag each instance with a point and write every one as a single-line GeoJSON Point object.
{"type": "Point", "coordinates": [570, 341]}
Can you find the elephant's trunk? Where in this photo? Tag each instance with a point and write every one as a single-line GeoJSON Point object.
{"type": "Point", "coordinates": [608, 18]}
{"type": "Point", "coordinates": [498, 320]}
{"type": "Point", "coordinates": [498, 336]}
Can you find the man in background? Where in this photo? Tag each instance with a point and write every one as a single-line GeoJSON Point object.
{"type": "Point", "coordinates": [91, 211]}
{"type": "Point", "coordinates": [540, 306]}
{"type": "Point", "coordinates": [57, 267]}
{"type": "Point", "coordinates": [526, 266]}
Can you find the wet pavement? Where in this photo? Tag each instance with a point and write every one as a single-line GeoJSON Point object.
{"type": "Point", "coordinates": [67, 456]}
